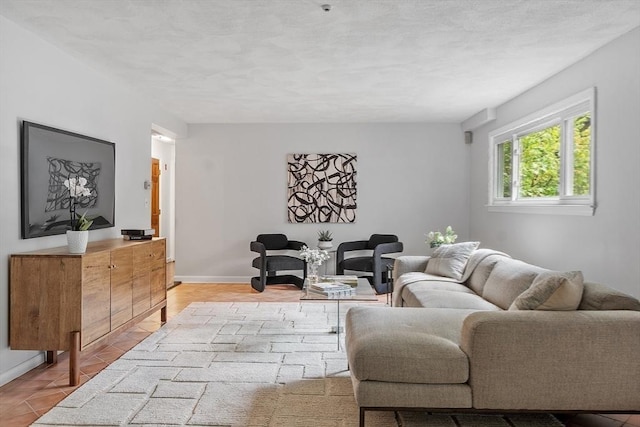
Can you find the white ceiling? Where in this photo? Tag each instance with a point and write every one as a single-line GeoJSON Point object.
{"type": "Point", "coordinates": [212, 61]}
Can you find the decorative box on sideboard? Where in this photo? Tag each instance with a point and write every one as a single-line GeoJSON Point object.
{"type": "Point", "coordinates": [73, 302]}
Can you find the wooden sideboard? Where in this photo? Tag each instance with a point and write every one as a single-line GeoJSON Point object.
{"type": "Point", "coordinates": [72, 302]}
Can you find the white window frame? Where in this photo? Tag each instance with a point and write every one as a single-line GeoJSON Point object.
{"type": "Point", "coordinates": [557, 114]}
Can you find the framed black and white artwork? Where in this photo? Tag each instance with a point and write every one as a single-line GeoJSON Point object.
{"type": "Point", "coordinates": [50, 158]}
{"type": "Point", "coordinates": [321, 188]}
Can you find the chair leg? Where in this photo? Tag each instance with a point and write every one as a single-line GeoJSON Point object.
{"type": "Point", "coordinates": [381, 283]}
{"type": "Point", "coordinates": [298, 282]}
{"type": "Point", "coordinates": [257, 284]}
{"type": "Point", "coordinates": [362, 417]}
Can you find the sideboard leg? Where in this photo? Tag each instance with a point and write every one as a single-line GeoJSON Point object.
{"type": "Point", "coordinates": [52, 356]}
{"type": "Point", "coordinates": [163, 315]}
{"type": "Point", "coordinates": [74, 359]}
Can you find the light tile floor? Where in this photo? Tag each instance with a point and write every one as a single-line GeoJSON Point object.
{"type": "Point", "coordinates": [25, 399]}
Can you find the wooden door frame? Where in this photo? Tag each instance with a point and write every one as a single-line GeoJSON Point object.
{"type": "Point", "coordinates": [155, 194]}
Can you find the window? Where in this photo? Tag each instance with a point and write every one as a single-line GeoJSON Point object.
{"type": "Point", "coordinates": [544, 163]}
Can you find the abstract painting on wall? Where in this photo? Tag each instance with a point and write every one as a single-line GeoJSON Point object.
{"type": "Point", "coordinates": [321, 188]}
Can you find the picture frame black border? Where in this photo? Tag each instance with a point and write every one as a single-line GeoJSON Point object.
{"type": "Point", "coordinates": [25, 183]}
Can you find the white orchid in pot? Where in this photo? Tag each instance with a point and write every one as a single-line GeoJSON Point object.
{"type": "Point", "coordinates": [78, 235]}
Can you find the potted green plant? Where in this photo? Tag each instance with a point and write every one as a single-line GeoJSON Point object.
{"type": "Point", "coordinates": [436, 238]}
{"type": "Point", "coordinates": [325, 239]}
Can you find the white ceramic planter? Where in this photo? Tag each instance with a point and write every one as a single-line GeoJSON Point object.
{"type": "Point", "coordinates": [77, 241]}
{"type": "Point", "coordinates": [324, 245]}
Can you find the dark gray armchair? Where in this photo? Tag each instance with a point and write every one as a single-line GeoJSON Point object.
{"type": "Point", "coordinates": [374, 263]}
{"type": "Point", "coordinates": [269, 264]}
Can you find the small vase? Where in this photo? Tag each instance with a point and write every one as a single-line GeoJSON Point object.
{"type": "Point", "coordinates": [325, 244]}
{"type": "Point", "coordinates": [312, 272]}
{"type": "Point", "coordinates": [77, 241]}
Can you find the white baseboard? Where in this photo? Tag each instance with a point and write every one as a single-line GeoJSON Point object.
{"type": "Point", "coordinates": [213, 279]}
{"type": "Point", "coordinates": [22, 368]}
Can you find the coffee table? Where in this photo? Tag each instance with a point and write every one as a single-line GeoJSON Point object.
{"type": "Point", "coordinates": [364, 292]}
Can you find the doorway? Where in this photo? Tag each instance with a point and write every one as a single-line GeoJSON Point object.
{"type": "Point", "coordinates": [155, 196]}
{"type": "Point", "coordinates": [162, 197]}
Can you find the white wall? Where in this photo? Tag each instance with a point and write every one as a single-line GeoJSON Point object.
{"type": "Point", "coordinates": [231, 185]}
{"type": "Point", "coordinates": [606, 247]}
{"type": "Point", "coordinates": [40, 83]}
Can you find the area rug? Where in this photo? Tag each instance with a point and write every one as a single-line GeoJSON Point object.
{"type": "Point", "coordinates": [238, 364]}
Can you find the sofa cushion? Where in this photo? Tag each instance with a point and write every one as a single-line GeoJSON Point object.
{"type": "Point", "coordinates": [425, 279]}
{"type": "Point", "coordinates": [450, 260]}
{"type": "Point", "coordinates": [406, 345]}
{"type": "Point", "coordinates": [551, 291]}
{"type": "Point", "coordinates": [437, 285]}
{"type": "Point", "coordinates": [418, 295]}
{"type": "Point", "coordinates": [600, 297]}
{"type": "Point", "coordinates": [478, 277]}
{"type": "Point", "coordinates": [508, 279]}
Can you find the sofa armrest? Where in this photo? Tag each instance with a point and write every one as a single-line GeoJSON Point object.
{"type": "Point", "coordinates": [408, 263]}
{"type": "Point", "coordinates": [554, 360]}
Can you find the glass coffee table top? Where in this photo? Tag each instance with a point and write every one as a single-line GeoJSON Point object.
{"type": "Point", "coordinates": [364, 292]}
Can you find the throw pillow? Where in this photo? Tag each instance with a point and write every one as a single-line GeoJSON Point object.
{"type": "Point", "coordinates": [450, 260]}
{"type": "Point", "coordinates": [552, 291]}
{"type": "Point", "coordinates": [600, 297]}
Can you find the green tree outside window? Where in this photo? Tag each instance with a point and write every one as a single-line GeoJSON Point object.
{"type": "Point", "coordinates": [582, 155]}
{"type": "Point", "coordinates": [540, 163]}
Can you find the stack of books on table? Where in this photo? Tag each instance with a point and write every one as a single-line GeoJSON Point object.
{"type": "Point", "coordinates": [347, 280]}
{"type": "Point", "coordinates": [332, 289]}
{"type": "Point", "coordinates": [137, 233]}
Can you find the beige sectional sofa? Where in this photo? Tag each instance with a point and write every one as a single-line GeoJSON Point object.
{"type": "Point", "coordinates": [489, 339]}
